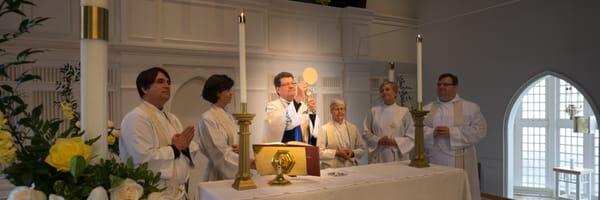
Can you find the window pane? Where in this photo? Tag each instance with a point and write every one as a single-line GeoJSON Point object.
{"type": "Point", "coordinates": [533, 105]}
{"type": "Point", "coordinates": [534, 162]}
{"type": "Point", "coordinates": [572, 150]}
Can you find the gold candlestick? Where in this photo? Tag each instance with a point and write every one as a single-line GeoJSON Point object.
{"type": "Point", "coordinates": [243, 180]}
{"type": "Point", "coordinates": [419, 160]}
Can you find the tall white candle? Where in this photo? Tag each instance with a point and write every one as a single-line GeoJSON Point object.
{"type": "Point", "coordinates": [242, 46]}
{"type": "Point", "coordinates": [419, 68]}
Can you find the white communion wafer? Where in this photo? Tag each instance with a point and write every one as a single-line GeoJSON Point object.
{"type": "Point", "coordinates": [310, 75]}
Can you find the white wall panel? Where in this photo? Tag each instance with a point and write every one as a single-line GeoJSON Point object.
{"type": "Point", "coordinates": [188, 22]}
{"type": "Point", "coordinates": [61, 15]}
{"type": "Point", "coordinates": [330, 38]}
{"type": "Point", "coordinates": [360, 40]}
{"type": "Point", "coordinates": [307, 36]}
{"type": "Point", "coordinates": [256, 28]}
{"type": "Point", "coordinates": [282, 33]}
{"type": "Point", "coordinates": [397, 43]}
{"type": "Point", "coordinates": [142, 19]}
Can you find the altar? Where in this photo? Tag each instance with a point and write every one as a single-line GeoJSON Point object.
{"type": "Point", "coordinates": [378, 181]}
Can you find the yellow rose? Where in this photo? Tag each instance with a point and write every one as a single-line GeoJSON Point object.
{"type": "Point", "coordinates": [7, 156]}
{"type": "Point", "coordinates": [110, 139]}
{"type": "Point", "coordinates": [64, 149]}
{"type": "Point", "coordinates": [67, 110]}
{"type": "Point", "coordinates": [5, 139]}
{"type": "Point", "coordinates": [8, 152]}
{"type": "Point", "coordinates": [3, 121]}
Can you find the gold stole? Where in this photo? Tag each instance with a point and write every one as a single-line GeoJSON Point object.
{"type": "Point", "coordinates": [229, 127]}
{"type": "Point", "coordinates": [158, 127]}
{"type": "Point", "coordinates": [331, 141]}
{"type": "Point", "coordinates": [459, 155]}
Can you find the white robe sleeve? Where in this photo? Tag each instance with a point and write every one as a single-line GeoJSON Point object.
{"type": "Point", "coordinates": [359, 146]}
{"type": "Point", "coordinates": [214, 141]}
{"type": "Point", "coordinates": [138, 135]}
{"type": "Point", "coordinates": [406, 142]}
{"type": "Point", "coordinates": [274, 123]}
{"type": "Point", "coordinates": [324, 153]}
{"type": "Point", "coordinates": [473, 130]}
{"type": "Point", "coordinates": [428, 127]}
{"type": "Point", "coordinates": [368, 133]}
{"type": "Point", "coordinates": [276, 120]}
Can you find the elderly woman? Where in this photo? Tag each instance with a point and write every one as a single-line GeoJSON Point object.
{"type": "Point", "coordinates": [339, 143]}
{"type": "Point", "coordinates": [218, 131]}
{"type": "Point", "coordinates": [388, 128]}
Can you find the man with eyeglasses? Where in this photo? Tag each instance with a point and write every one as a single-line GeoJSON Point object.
{"type": "Point", "coordinates": [290, 117]}
{"type": "Point", "coordinates": [452, 128]}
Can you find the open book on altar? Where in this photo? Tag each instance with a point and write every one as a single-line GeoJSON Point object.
{"type": "Point", "coordinates": [305, 155]}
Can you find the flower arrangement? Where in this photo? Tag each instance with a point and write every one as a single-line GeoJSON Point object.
{"type": "Point", "coordinates": [112, 138]}
{"type": "Point", "coordinates": [405, 98]}
{"type": "Point", "coordinates": [35, 150]}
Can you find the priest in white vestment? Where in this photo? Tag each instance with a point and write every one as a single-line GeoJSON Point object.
{"type": "Point", "coordinates": [388, 128]}
{"type": "Point", "coordinates": [151, 134]}
{"type": "Point", "coordinates": [290, 118]}
{"type": "Point", "coordinates": [339, 143]}
{"type": "Point", "coordinates": [452, 128]}
{"type": "Point", "coordinates": [217, 130]}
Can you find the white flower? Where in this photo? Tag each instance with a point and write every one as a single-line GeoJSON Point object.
{"type": "Point", "coordinates": [55, 197]}
{"type": "Point", "coordinates": [98, 193]}
{"type": "Point", "coordinates": [26, 193]}
{"type": "Point", "coordinates": [110, 124]}
{"type": "Point", "coordinates": [128, 190]}
{"type": "Point", "coordinates": [115, 132]}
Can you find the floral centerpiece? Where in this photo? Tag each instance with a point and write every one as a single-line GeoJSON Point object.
{"type": "Point", "coordinates": [112, 138]}
{"type": "Point", "coordinates": [35, 150]}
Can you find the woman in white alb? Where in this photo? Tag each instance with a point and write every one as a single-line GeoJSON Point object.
{"type": "Point", "coordinates": [339, 143]}
{"type": "Point", "coordinates": [388, 128]}
{"type": "Point", "coordinates": [218, 131]}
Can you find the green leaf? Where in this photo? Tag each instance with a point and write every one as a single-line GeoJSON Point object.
{"type": "Point", "coordinates": [129, 164]}
{"type": "Point", "coordinates": [37, 111]}
{"type": "Point", "coordinates": [27, 77]}
{"type": "Point", "coordinates": [59, 186]}
{"type": "Point", "coordinates": [7, 88]}
{"type": "Point", "coordinates": [93, 140]}
{"type": "Point", "coordinates": [115, 181]}
{"type": "Point", "coordinates": [78, 164]}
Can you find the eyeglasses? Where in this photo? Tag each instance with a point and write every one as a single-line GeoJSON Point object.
{"type": "Point", "coordinates": [445, 84]}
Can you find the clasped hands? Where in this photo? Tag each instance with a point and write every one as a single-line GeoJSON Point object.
{"type": "Point", "coordinates": [441, 131]}
{"type": "Point", "coordinates": [387, 140]}
{"type": "Point", "coordinates": [182, 140]}
{"type": "Point", "coordinates": [344, 153]}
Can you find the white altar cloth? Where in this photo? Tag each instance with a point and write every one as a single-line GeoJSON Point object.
{"type": "Point", "coordinates": [394, 180]}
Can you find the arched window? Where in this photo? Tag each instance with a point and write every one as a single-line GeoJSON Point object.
{"type": "Point", "coordinates": [541, 137]}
